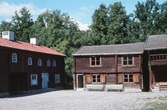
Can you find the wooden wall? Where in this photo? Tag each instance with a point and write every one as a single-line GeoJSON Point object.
{"type": "Point", "coordinates": [109, 64]}
{"type": "Point", "coordinates": [22, 67]}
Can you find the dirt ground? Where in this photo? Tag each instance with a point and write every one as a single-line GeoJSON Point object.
{"type": "Point", "coordinates": [86, 100]}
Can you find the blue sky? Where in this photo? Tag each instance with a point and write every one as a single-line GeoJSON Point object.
{"type": "Point", "coordinates": [80, 10]}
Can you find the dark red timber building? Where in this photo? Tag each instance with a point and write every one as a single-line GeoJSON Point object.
{"type": "Point", "coordinates": [108, 67]}
{"type": "Point", "coordinates": [156, 48]}
{"type": "Point", "coordinates": [28, 66]}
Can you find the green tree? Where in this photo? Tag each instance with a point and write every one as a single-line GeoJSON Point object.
{"type": "Point", "coordinates": [147, 16]}
{"type": "Point", "coordinates": [99, 25]}
{"type": "Point", "coordinates": [117, 26]}
{"type": "Point", "coordinates": [22, 24]}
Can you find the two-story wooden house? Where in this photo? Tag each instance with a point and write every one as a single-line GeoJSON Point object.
{"type": "Point", "coordinates": [107, 65]}
{"type": "Point", "coordinates": [156, 47]}
{"type": "Point", "coordinates": [28, 66]}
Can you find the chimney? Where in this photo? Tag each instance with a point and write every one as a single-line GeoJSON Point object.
{"type": "Point", "coordinates": [34, 41]}
{"type": "Point", "coordinates": [8, 35]}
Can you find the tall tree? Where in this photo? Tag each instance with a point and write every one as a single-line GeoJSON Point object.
{"type": "Point", "coordinates": [22, 24]}
{"type": "Point", "coordinates": [99, 26]}
{"type": "Point", "coordinates": [146, 15]}
{"type": "Point", "coordinates": [117, 26]}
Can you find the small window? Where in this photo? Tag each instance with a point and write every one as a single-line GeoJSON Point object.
{"type": "Point", "coordinates": [34, 79]}
{"type": "Point", "coordinates": [54, 63]}
{"type": "Point", "coordinates": [48, 62]}
{"type": "Point", "coordinates": [128, 78]}
{"type": "Point", "coordinates": [29, 61]}
{"type": "Point", "coordinates": [14, 57]}
{"type": "Point", "coordinates": [96, 78]}
{"type": "Point", "coordinates": [95, 61]}
{"type": "Point", "coordinates": [39, 62]}
{"type": "Point", "coordinates": [127, 60]}
{"type": "Point", "coordinates": [57, 78]}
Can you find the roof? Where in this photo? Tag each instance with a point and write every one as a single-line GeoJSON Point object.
{"type": "Point", "coordinates": [28, 47]}
{"type": "Point", "coordinates": [156, 42]}
{"type": "Point", "coordinates": [132, 48]}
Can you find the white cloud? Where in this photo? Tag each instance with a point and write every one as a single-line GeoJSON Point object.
{"type": "Point", "coordinates": [8, 9]}
{"type": "Point", "coordinates": [83, 26]}
{"type": "Point", "coordinates": [84, 8]}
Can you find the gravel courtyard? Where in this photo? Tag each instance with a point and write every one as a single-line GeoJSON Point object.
{"type": "Point", "coordinates": [86, 100]}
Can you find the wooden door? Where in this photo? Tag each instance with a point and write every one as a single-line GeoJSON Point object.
{"type": "Point", "coordinates": [45, 80]}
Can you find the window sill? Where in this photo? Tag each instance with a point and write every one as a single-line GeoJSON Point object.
{"type": "Point", "coordinates": [128, 65]}
{"type": "Point", "coordinates": [95, 65]}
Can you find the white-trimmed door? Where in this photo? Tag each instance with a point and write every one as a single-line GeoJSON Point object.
{"type": "Point", "coordinates": [45, 80]}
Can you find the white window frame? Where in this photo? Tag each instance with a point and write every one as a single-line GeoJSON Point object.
{"type": "Point", "coordinates": [14, 57]}
{"type": "Point", "coordinates": [54, 63]}
{"type": "Point", "coordinates": [29, 61]}
{"type": "Point", "coordinates": [39, 62]}
{"type": "Point", "coordinates": [48, 62]}
{"type": "Point", "coordinates": [34, 81]}
{"type": "Point", "coordinates": [57, 78]}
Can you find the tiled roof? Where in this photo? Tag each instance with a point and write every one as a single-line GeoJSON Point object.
{"type": "Point", "coordinates": [156, 42]}
{"type": "Point", "coordinates": [132, 48]}
{"type": "Point", "coordinates": [28, 47]}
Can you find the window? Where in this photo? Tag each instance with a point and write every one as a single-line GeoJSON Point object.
{"type": "Point", "coordinates": [96, 78]}
{"type": "Point", "coordinates": [127, 60]}
{"type": "Point", "coordinates": [158, 57]}
{"type": "Point", "coordinates": [54, 63]}
{"type": "Point", "coordinates": [48, 62]}
{"type": "Point", "coordinates": [128, 78]}
{"type": "Point", "coordinates": [34, 79]}
{"type": "Point", "coordinates": [39, 62]}
{"type": "Point", "coordinates": [57, 78]}
{"type": "Point", "coordinates": [14, 57]}
{"type": "Point", "coordinates": [95, 61]}
{"type": "Point", "coordinates": [29, 61]}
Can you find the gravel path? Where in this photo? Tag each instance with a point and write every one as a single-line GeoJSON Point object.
{"type": "Point", "coordinates": [84, 100]}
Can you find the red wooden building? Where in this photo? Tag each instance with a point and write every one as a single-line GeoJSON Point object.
{"type": "Point", "coordinates": [156, 47]}
{"type": "Point", "coordinates": [28, 66]}
{"type": "Point", "coordinates": [108, 65]}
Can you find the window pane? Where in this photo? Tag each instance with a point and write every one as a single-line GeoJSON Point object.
{"type": "Point", "coordinates": [98, 58]}
{"type": "Point", "coordinates": [124, 58]}
{"type": "Point", "coordinates": [158, 57]}
{"type": "Point", "coordinates": [93, 63]}
{"type": "Point", "coordinates": [130, 57]}
{"type": "Point", "coordinates": [125, 80]}
{"type": "Point", "coordinates": [130, 76]}
{"type": "Point", "coordinates": [124, 62]}
{"type": "Point", "coordinates": [155, 58]}
{"type": "Point", "coordinates": [93, 58]}
{"type": "Point", "coordinates": [97, 62]}
{"type": "Point", "coordinates": [98, 76]}
{"type": "Point", "coordinates": [130, 62]}
{"type": "Point", "coordinates": [126, 76]}
{"type": "Point", "coordinates": [98, 80]}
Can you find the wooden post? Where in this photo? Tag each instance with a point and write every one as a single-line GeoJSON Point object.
{"type": "Point", "coordinates": [146, 78]}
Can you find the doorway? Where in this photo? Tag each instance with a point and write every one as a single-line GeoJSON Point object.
{"type": "Point", "coordinates": [80, 81]}
{"type": "Point", "coordinates": [45, 80]}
